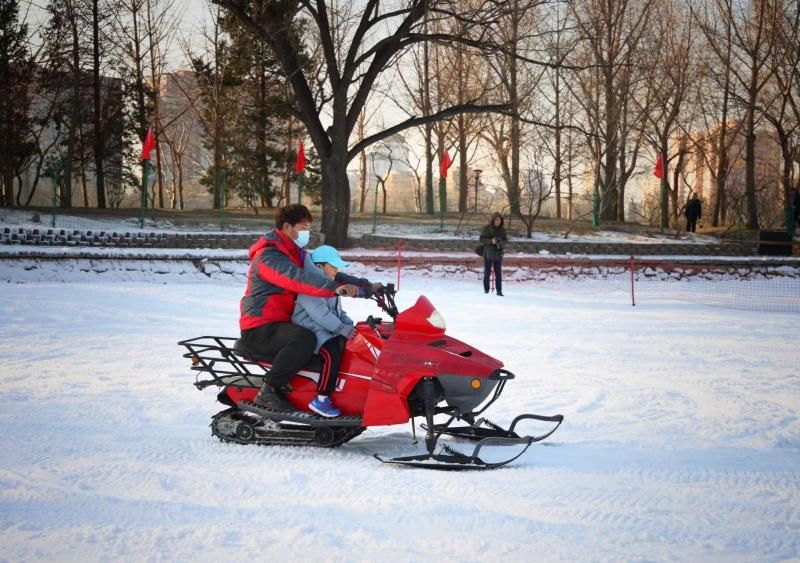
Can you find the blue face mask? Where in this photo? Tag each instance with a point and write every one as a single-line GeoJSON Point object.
{"type": "Point", "coordinates": [302, 238]}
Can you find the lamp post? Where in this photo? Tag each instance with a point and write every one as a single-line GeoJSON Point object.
{"type": "Point", "coordinates": [56, 177]}
{"type": "Point", "coordinates": [477, 178]}
{"type": "Point", "coordinates": [381, 166]}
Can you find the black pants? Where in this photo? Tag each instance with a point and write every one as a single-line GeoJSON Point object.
{"type": "Point", "coordinates": [691, 224]}
{"type": "Point", "coordinates": [331, 352]}
{"type": "Point", "coordinates": [289, 345]}
{"type": "Point", "coordinates": [498, 274]}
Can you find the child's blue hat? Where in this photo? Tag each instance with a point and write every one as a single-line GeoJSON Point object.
{"type": "Point", "coordinates": [328, 254]}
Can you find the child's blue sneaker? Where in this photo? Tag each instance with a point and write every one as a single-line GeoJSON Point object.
{"type": "Point", "coordinates": [322, 406]}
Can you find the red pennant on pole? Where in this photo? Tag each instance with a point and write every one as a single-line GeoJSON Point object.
{"type": "Point", "coordinates": [300, 163]}
{"type": "Point", "coordinates": [446, 162]}
{"type": "Point", "coordinates": [149, 144]}
{"type": "Point", "coordinates": [659, 170]}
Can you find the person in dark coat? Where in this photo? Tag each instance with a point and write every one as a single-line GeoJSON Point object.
{"type": "Point", "coordinates": [693, 212]}
{"type": "Point", "coordinates": [796, 204]}
{"type": "Point", "coordinates": [493, 239]}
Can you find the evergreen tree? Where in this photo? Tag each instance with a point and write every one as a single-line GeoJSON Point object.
{"type": "Point", "coordinates": [263, 145]}
{"type": "Point", "coordinates": [16, 71]}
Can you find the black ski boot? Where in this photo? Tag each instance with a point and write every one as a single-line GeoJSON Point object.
{"type": "Point", "coordinates": [269, 398]}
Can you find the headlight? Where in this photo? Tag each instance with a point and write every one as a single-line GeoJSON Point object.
{"type": "Point", "coordinates": [436, 319]}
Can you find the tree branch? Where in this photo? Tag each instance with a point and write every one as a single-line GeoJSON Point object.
{"type": "Point", "coordinates": [422, 120]}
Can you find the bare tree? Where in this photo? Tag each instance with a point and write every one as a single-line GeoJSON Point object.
{"type": "Point", "coordinates": [782, 100]}
{"type": "Point", "coordinates": [381, 33]}
{"type": "Point", "coordinates": [611, 33]}
{"type": "Point", "coordinates": [535, 191]}
{"type": "Point", "coordinates": [671, 43]}
{"type": "Point", "coordinates": [752, 27]}
{"type": "Point", "coordinates": [179, 129]}
{"type": "Point", "coordinates": [556, 106]}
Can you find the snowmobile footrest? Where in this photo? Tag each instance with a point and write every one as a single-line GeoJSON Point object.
{"type": "Point", "coordinates": [300, 416]}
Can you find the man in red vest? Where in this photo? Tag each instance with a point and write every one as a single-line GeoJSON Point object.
{"type": "Point", "coordinates": [275, 278]}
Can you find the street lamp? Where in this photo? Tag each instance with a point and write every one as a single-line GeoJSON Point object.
{"type": "Point", "coordinates": [477, 177]}
{"type": "Point", "coordinates": [381, 166]}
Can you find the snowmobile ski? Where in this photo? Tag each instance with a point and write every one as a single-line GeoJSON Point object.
{"type": "Point", "coordinates": [484, 428]}
{"type": "Point", "coordinates": [450, 459]}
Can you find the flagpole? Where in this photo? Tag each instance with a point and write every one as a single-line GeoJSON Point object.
{"type": "Point", "coordinates": [443, 167]}
{"type": "Point", "coordinates": [147, 146]}
{"type": "Point", "coordinates": [442, 200]}
{"type": "Point", "coordinates": [144, 193]}
{"type": "Point", "coordinates": [300, 187]}
{"type": "Point", "coordinates": [300, 168]}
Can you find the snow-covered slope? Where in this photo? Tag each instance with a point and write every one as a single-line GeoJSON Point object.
{"type": "Point", "coordinates": [681, 439]}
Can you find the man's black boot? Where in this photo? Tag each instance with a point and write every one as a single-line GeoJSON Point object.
{"type": "Point", "coordinates": [269, 398]}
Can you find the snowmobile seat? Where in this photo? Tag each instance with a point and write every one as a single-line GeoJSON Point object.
{"type": "Point", "coordinates": [314, 364]}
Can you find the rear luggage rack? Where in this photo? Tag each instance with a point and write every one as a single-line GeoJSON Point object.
{"type": "Point", "coordinates": [217, 362]}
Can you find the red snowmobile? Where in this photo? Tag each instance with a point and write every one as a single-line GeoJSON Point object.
{"type": "Point", "coordinates": [391, 372]}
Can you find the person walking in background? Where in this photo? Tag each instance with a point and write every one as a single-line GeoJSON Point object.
{"type": "Point", "coordinates": [796, 204]}
{"type": "Point", "coordinates": [693, 212]}
{"type": "Point", "coordinates": [493, 239]}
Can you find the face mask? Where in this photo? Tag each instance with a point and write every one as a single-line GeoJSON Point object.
{"type": "Point", "coordinates": [302, 238]}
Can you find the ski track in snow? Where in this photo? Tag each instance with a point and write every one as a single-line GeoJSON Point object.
{"type": "Point", "coordinates": [680, 442]}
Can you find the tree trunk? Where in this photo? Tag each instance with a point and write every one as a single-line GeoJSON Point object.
{"type": "Point", "coordinates": [98, 137]}
{"type": "Point", "coordinates": [722, 168]}
{"type": "Point", "coordinates": [608, 201]}
{"type": "Point", "coordinates": [8, 188]}
{"type": "Point", "coordinates": [557, 156]}
{"type": "Point", "coordinates": [426, 108]}
{"type": "Point", "coordinates": [664, 223]}
{"type": "Point", "coordinates": [217, 160]}
{"type": "Point", "coordinates": [335, 198]}
{"type": "Point", "coordinates": [463, 182]}
{"type": "Point", "coordinates": [750, 166]}
{"type": "Point", "coordinates": [514, 187]}
{"type": "Point", "coordinates": [429, 202]}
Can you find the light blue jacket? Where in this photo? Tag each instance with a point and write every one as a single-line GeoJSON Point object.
{"type": "Point", "coordinates": [323, 315]}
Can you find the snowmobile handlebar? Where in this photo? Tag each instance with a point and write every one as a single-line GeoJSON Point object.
{"type": "Point", "coordinates": [384, 297]}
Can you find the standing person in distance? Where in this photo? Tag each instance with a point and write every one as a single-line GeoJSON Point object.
{"type": "Point", "coordinates": [693, 212]}
{"type": "Point", "coordinates": [493, 239]}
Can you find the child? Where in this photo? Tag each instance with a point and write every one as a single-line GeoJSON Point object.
{"type": "Point", "coordinates": [331, 325]}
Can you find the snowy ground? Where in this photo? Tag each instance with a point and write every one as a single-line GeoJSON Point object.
{"type": "Point", "coordinates": [681, 439]}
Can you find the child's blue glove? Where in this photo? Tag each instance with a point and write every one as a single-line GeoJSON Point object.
{"type": "Point", "coordinates": [348, 331]}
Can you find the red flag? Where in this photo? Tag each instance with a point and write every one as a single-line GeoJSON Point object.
{"type": "Point", "coordinates": [149, 144]}
{"type": "Point", "coordinates": [659, 170]}
{"type": "Point", "coordinates": [446, 162]}
{"type": "Point", "coordinates": [300, 163]}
